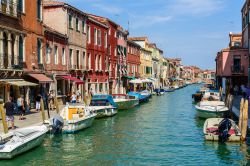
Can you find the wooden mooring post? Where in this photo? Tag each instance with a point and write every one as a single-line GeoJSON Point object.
{"type": "Point", "coordinates": [5, 126]}
{"type": "Point", "coordinates": [245, 121]}
{"type": "Point", "coordinates": [42, 109]}
{"type": "Point", "coordinates": [241, 113]}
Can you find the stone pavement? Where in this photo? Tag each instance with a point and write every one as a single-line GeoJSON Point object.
{"type": "Point", "coordinates": [236, 108]}
{"type": "Point", "coordinates": [33, 118]}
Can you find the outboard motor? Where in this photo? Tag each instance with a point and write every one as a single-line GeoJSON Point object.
{"type": "Point", "coordinates": [57, 125]}
{"type": "Point", "coordinates": [223, 129]}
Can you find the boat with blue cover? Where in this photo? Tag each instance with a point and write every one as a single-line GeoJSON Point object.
{"type": "Point", "coordinates": [142, 98]}
{"type": "Point", "coordinates": [104, 105]}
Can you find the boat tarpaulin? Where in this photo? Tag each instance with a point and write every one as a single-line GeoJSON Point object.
{"type": "Point", "coordinates": [41, 78]}
{"type": "Point", "coordinates": [74, 79]}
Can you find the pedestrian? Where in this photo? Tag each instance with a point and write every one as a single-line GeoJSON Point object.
{"type": "Point", "coordinates": [38, 100]}
{"type": "Point", "coordinates": [79, 97]}
{"type": "Point", "coordinates": [9, 107]}
{"type": "Point", "coordinates": [73, 97]}
{"type": "Point", "coordinates": [236, 90]}
{"type": "Point", "coordinates": [51, 100]}
{"type": "Point", "coordinates": [21, 108]}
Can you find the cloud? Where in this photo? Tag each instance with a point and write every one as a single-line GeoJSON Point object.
{"type": "Point", "coordinates": [196, 7]}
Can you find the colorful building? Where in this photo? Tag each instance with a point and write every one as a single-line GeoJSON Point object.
{"type": "Point", "coordinates": [133, 59]}
{"type": "Point", "coordinates": [71, 22]}
{"type": "Point", "coordinates": [145, 63]}
{"type": "Point", "coordinates": [232, 64]}
{"type": "Point", "coordinates": [97, 55]}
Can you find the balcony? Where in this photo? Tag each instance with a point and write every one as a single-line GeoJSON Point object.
{"type": "Point", "coordinates": [236, 70]}
{"type": "Point", "coordinates": [9, 8]}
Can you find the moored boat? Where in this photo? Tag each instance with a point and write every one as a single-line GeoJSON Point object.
{"type": "Point", "coordinates": [73, 118]}
{"type": "Point", "coordinates": [21, 140]}
{"type": "Point", "coordinates": [211, 109]}
{"type": "Point", "coordinates": [125, 101]}
{"type": "Point", "coordinates": [104, 105]}
{"type": "Point", "coordinates": [219, 129]}
{"type": "Point", "coordinates": [137, 95]}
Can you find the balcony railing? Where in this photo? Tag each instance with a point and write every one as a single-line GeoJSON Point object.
{"type": "Point", "coordinates": [237, 70]}
{"type": "Point", "coordinates": [8, 7]}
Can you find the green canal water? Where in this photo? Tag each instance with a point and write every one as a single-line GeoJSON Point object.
{"type": "Point", "coordinates": [164, 131]}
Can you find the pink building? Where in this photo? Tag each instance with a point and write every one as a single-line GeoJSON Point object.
{"type": "Point", "coordinates": [232, 65]}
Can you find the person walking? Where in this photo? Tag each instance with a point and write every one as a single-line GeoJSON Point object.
{"type": "Point", "coordinates": [21, 108]}
{"type": "Point", "coordinates": [73, 97]}
{"type": "Point", "coordinates": [9, 107]}
{"type": "Point", "coordinates": [38, 100]}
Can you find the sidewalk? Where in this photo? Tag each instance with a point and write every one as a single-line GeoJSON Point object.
{"type": "Point", "coordinates": [33, 118]}
{"type": "Point", "coordinates": [236, 108]}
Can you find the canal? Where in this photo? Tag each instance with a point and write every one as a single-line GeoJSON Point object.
{"type": "Point", "coordinates": [164, 131]}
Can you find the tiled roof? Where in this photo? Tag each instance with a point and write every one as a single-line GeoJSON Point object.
{"type": "Point", "coordinates": [138, 38]}
{"type": "Point", "coordinates": [53, 3]}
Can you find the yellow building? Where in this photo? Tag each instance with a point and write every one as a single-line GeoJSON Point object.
{"type": "Point", "coordinates": [146, 63]}
{"type": "Point", "coordinates": [146, 67]}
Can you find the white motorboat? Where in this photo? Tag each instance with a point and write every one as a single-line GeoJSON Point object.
{"type": "Point", "coordinates": [73, 118]}
{"type": "Point", "coordinates": [21, 140]}
{"type": "Point", "coordinates": [104, 105]}
{"type": "Point", "coordinates": [211, 96]}
{"type": "Point", "coordinates": [219, 129]}
{"type": "Point", "coordinates": [125, 102]}
{"type": "Point", "coordinates": [211, 109]}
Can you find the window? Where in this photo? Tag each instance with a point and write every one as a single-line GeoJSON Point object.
{"type": "Point", "coordinates": [106, 41]}
{"type": "Point", "coordinates": [99, 34]}
{"type": "Point", "coordinates": [89, 34]}
{"type": "Point", "coordinates": [39, 46]}
{"type": "Point", "coordinates": [77, 25]}
{"type": "Point", "coordinates": [96, 62]}
{"type": "Point", "coordinates": [39, 10]}
{"type": "Point", "coordinates": [83, 27]}
{"type": "Point", "coordinates": [95, 36]}
{"type": "Point", "coordinates": [89, 61]}
{"type": "Point", "coordinates": [109, 32]}
{"type": "Point", "coordinates": [71, 58]}
{"type": "Point", "coordinates": [56, 55]}
{"type": "Point", "coordinates": [70, 22]}
{"type": "Point", "coordinates": [78, 59]}
{"type": "Point", "coordinates": [21, 6]}
{"type": "Point", "coordinates": [84, 60]}
{"type": "Point", "coordinates": [115, 52]}
{"type": "Point", "coordinates": [21, 48]}
{"type": "Point", "coordinates": [47, 53]}
{"type": "Point", "coordinates": [63, 57]}
{"type": "Point", "coordinates": [100, 62]}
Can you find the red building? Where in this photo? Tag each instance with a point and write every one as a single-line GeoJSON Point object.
{"type": "Point", "coordinates": [133, 60]}
{"type": "Point", "coordinates": [117, 54]}
{"type": "Point", "coordinates": [97, 55]}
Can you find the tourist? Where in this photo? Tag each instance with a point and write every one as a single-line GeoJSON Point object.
{"type": "Point", "coordinates": [21, 108]}
{"type": "Point", "coordinates": [79, 97]}
{"type": "Point", "coordinates": [38, 100]}
{"type": "Point", "coordinates": [73, 97]}
{"type": "Point", "coordinates": [236, 90]}
{"type": "Point", "coordinates": [51, 100]}
{"type": "Point", "coordinates": [10, 106]}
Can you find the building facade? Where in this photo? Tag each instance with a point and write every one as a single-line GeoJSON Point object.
{"type": "Point", "coordinates": [133, 60]}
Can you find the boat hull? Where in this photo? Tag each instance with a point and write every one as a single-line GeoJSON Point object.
{"type": "Point", "coordinates": [109, 112]}
{"type": "Point", "coordinates": [23, 148]}
{"type": "Point", "coordinates": [73, 127]}
{"type": "Point", "coordinates": [209, 114]}
{"type": "Point", "coordinates": [124, 105]}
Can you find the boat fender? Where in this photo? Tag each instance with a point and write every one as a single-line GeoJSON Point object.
{"type": "Point", "coordinates": [223, 129]}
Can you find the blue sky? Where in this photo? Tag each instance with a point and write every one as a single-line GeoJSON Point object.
{"type": "Point", "coordinates": [194, 30]}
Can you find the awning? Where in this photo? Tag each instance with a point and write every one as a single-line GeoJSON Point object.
{"type": "Point", "coordinates": [129, 77]}
{"type": "Point", "coordinates": [136, 81]}
{"type": "Point", "coordinates": [74, 79]}
{"type": "Point", "coordinates": [22, 83]}
{"type": "Point", "coordinates": [41, 78]}
{"type": "Point", "coordinates": [147, 81]}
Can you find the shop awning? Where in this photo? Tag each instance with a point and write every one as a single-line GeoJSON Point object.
{"type": "Point", "coordinates": [21, 83]}
{"type": "Point", "coordinates": [41, 78]}
{"type": "Point", "coordinates": [74, 79]}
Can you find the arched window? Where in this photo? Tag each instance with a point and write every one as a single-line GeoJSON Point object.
{"type": "Point", "coordinates": [20, 58]}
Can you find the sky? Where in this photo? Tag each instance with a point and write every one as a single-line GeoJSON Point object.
{"type": "Point", "coordinates": [194, 30]}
